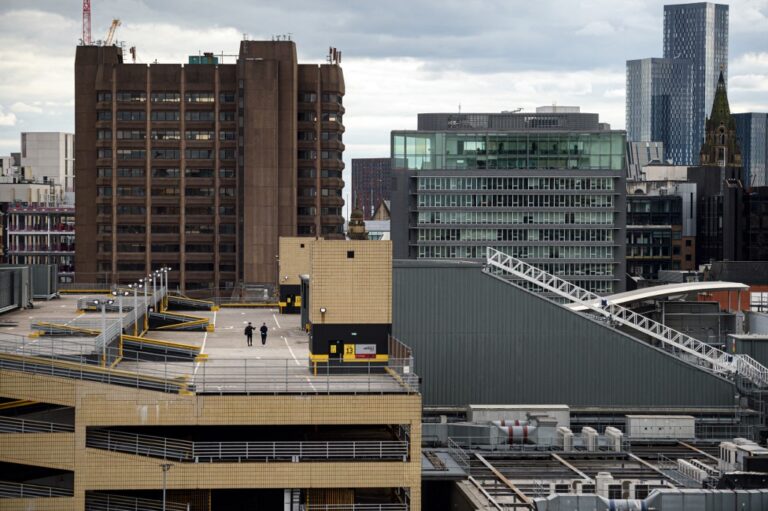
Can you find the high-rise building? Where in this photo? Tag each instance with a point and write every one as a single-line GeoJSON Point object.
{"type": "Point", "coordinates": [659, 105]}
{"type": "Point", "coordinates": [371, 178]}
{"type": "Point", "coordinates": [752, 131]}
{"type": "Point", "coordinates": [201, 167]}
{"type": "Point", "coordinates": [48, 157]}
{"type": "Point", "coordinates": [641, 154]}
{"type": "Point", "coordinates": [545, 187]}
{"type": "Point", "coordinates": [698, 32]}
{"type": "Point", "coordinates": [669, 99]}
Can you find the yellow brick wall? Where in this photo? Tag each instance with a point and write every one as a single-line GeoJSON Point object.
{"type": "Point", "coordinates": [357, 290]}
{"type": "Point", "coordinates": [294, 259]}
{"type": "Point", "coordinates": [108, 405]}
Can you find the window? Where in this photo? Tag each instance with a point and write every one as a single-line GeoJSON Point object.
{"type": "Point", "coordinates": [199, 135]}
{"type": "Point", "coordinates": [131, 247]}
{"type": "Point", "coordinates": [193, 172]}
{"type": "Point", "coordinates": [130, 191]}
{"type": "Point", "coordinates": [227, 191]}
{"type": "Point", "coordinates": [331, 117]}
{"type": "Point", "coordinates": [165, 154]}
{"type": "Point", "coordinates": [130, 172]}
{"type": "Point", "coordinates": [227, 115]}
{"type": "Point", "coordinates": [131, 229]}
{"type": "Point", "coordinates": [130, 267]}
{"type": "Point", "coordinates": [199, 192]}
{"type": "Point", "coordinates": [226, 172]}
{"type": "Point", "coordinates": [131, 97]}
{"type": "Point", "coordinates": [103, 115]}
{"type": "Point", "coordinates": [165, 210]}
{"type": "Point", "coordinates": [198, 248]}
{"type": "Point", "coordinates": [165, 229]}
{"type": "Point", "coordinates": [198, 229]}
{"type": "Point", "coordinates": [227, 135]}
{"type": "Point", "coordinates": [131, 154]}
{"type": "Point", "coordinates": [350, 254]}
{"type": "Point", "coordinates": [166, 135]}
{"type": "Point", "coordinates": [332, 97]}
{"type": "Point", "coordinates": [198, 266]}
{"type": "Point", "coordinates": [307, 155]}
{"type": "Point", "coordinates": [131, 115]}
{"type": "Point", "coordinates": [199, 97]}
{"type": "Point", "coordinates": [199, 210]}
{"type": "Point", "coordinates": [199, 154]}
{"type": "Point", "coordinates": [307, 116]}
{"type": "Point", "coordinates": [227, 248]}
{"type": "Point", "coordinates": [330, 155]}
{"type": "Point", "coordinates": [104, 152]}
{"type": "Point", "coordinates": [331, 135]}
{"type": "Point", "coordinates": [103, 96]}
{"type": "Point", "coordinates": [307, 136]}
{"type": "Point", "coordinates": [166, 97]}
{"type": "Point", "coordinates": [307, 97]}
{"type": "Point", "coordinates": [131, 134]}
{"type": "Point", "coordinates": [165, 247]}
{"type": "Point", "coordinates": [123, 209]}
{"type": "Point", "coordinates": [227, 154]}
{"type": "Point", "coordinates": [227, 97]}
{"type": "Point", "coordinates": [167, 191]}
{"type": "Point", "coordinates": [165, 115]}
{"type": "Point", "coordinates": [306, 172]}
{"type": "Point", "coordinates": [226, 228]}
{"type": "Point", "coordinates": [227, 210]}
{"type": "Point", "coordinates": [104, 191]}
{"type": "Point", "coordinates": [199, 115]}
{"type": "Point", "coordinates": [104, 135]}
{"type": "Point", "coordinates": [165, 172]}
{"type": "Point", "coordinates": [104, 172]}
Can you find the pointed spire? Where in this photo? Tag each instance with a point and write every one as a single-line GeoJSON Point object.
{"type": "Point", "coordinates": [721, 110]}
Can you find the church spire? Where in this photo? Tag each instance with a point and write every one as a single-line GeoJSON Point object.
{"type": "Point", "coordinates": [721, 147]}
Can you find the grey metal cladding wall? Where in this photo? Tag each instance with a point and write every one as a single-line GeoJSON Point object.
{"type": "Point", "coordinates": [477, 339]}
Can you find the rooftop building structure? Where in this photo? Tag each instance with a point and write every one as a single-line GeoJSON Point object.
{"type": "Point", "coordinates": [169, 156]}
{"type": "Point", "coordinates": [371, 179]}
{"type": "Point", "coordinates": [641, 154]}
{"type": "Point", "coordinates": [49, 157]}
{"type": "Point", "coordinates": [752, 132]}
{"type": "Point", "coordinates": [548, 188]}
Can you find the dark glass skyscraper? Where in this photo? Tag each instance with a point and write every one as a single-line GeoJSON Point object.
{"type": "Point", "coordinates": [669, 99]}
{"type": "Point", "coordinates": [752, 130]}
{"type": "Point", "coordinates": [699, 33]}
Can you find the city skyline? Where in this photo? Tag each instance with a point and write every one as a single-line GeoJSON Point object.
{"type": "Point", "coordinates": [490, 58]}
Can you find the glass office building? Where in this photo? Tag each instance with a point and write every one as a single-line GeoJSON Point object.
{"type": "Point", "coordinates": [660, 106]}
{"type": "Point", "coordinates": [698, 32]}
{"type": "Point", "coordinates": [752, 132]}
{"type": "Point", "coordinates": [551, 196]}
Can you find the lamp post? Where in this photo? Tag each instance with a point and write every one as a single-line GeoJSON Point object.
{"type": "Point", "coordinates": [103, 304]}
{"type": "Point", "coordinates": [145, 285]}
{"type": "Point", "coordinates": [120, 294]}
{"type": "Point", "coordinates": [166, 467]}
{"type": "Point", "coordinates": [135, 288]}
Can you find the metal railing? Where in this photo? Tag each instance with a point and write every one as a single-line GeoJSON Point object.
{"type": "Point", "coordinates": [460, 456]}
{"type": "Point", "coordinates": [17, 425]}
{"type": "Point", "coordinates": [212, 452]}
{"type": "Point", "coordinates": [108, 502]}
{"type": "Point", "coordinates": [11, 490]}
{"type": "Point", "coordinates": [682, 346]}
{"type": "Point", "coordinates": [355, 507]}
{"type": "Point", "coordinates": [82, 359]}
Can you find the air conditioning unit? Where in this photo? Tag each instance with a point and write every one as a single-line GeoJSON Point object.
{"type": "Point", "coordinates": [589, 437]}
{"type": "Point", "coordinates": [565, 438]}
{"type": "Point", "coordinates": [615, 437]}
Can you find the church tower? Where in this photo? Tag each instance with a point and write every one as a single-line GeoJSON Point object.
{"type": "Point", "coordinates": [721, 147]}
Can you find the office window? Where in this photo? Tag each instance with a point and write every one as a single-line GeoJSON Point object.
{"type": "Point", "coordinates": [199, 97]}
{"type": "Point", "coordinates": [131, 115]}
{"type": "Point", "coordinates": [194, 172]}
{"type": "Point", "coordinates": [227, 115]}
{"type": "Point", "coordinates": [131, 97]}
{"type": "Point", "coordinates": [104, 115]}
{"type": "Point", "coordinates": [104, 134]}
{"type": "Point", "coordinates": [165, 154]}
{"type": "Point", "coordinates": [199, 115]}
{"type": "Point", "coordinates": [227, 97]}
{"type": "Point", "coordinates": [165, 115]}
{"type": "Point", "coordinates": [103, 96]}
{"type": "Point", "coordinates": [166, 97]}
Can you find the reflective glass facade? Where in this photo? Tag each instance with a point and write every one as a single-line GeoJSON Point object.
{"type": "Point", "coordinates": [660, 106]}
{"type": "Point", "coordinates": [553, 198]}
{"type": "Point", "coordinates": [698, 32]}
{"type": "Point", "coordinates": [752, 131]}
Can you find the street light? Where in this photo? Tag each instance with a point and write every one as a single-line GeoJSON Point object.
{"type": "Point", "coordinates": [135, 288]}
{"type": "Point", "coordinates": [120, 294]}
{"type": "Point", "coordinates": [103, 304]}
{"type": "Point", "coordinates": [166, 467]}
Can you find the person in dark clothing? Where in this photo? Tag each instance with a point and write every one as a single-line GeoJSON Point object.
{"type": "Point", "coordinates": [263, 331]}
{"type": "Point", "coordinates": [249, 334]}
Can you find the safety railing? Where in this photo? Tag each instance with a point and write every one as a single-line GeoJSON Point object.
{"type": "Point", "coordinates": [355, 507]}
{"type": "Point", "coordinates": [459, 455]}
{"type": "Point", "coordinates": [109, 502]}
{"type": "Point", "coordinates": [17, 425]}
{"type": "Point", "coordinates": [82, 358]}
{"type": "Point", "coordinates": [213, 452]}
{"type": "Point", "coordinates": [11, 490]}
{"type": "Point", "coordinates": [682, 346]}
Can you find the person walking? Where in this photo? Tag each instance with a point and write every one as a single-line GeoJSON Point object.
{"type": "Point", "coordinates": [249, 334]}
{"type": "Point", "coordinates": [263, 331]}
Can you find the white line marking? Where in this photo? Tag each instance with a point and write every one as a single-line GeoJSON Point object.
{"type": "Point", "coordinates": [278, 324]}
{"type": "Point", "coordinates": [311, 385]}
{"type": "Point", "coordinates": [202, 348]}
{"type": "Point", "coordinates": [289, 349]}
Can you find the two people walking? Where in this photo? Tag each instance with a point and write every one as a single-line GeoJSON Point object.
{"type": "Point", "coordinates": [249, 333]}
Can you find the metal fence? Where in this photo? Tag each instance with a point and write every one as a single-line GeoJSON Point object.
{"type": "Point", "coordinates": [81, 358]}
{"type": "Point", "coordinates": [355, 507]}
{"type": "Point", "coordinates": [17, 425]}
{"type": "Point", "coordinates": [108, 502]}
{"type": "Point", "coordinates": [212, 452]}
{"type": "Point", "coordinates": [11, 490]}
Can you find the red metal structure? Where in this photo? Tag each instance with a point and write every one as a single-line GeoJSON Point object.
{"type": "Point", "coordinates": [86, 22]}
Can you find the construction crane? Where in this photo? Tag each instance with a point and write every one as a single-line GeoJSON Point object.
{"type": "Point", "coordinates": [86, 22]}
{"type": "Point", "coordinates": [111, 32]}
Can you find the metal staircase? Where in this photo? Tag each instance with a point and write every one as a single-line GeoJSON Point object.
{"type": "Point", "coordinates": [682, 346]}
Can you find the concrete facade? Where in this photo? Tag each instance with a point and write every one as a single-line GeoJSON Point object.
{"type": "Point", "coordinates": [49, 158]}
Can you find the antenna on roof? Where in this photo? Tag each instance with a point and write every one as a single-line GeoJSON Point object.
{"type": "Point", "coordinates": [459, 107]}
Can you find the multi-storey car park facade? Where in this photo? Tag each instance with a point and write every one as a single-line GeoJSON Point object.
{"type": "Point", "coordinates": [548, 188]}
{"type": "Point", "coordinates": [202, 167]}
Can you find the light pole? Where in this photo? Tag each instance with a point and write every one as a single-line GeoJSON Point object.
{"type": "Point", "coordinates": [103, 304]}
{"type": "Point", "coordinates": [120, 294]}
{"type": "Point", "coordinates": [145, 285]}
{"type": "Point", "coordinates": [135, 288]}
{"type": "Point", "coordinates": [166, 467]}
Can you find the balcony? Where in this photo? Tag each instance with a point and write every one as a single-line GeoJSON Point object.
{"type": "Point", "coordinates": [331, 201]}
{"type": "Point", "coordinates": [332, 182]}
{"type": "Point", "coordinates": [332, 220]}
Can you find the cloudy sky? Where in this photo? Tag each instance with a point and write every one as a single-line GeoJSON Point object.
{"type": "Point", "coordinates": [399, 57]}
